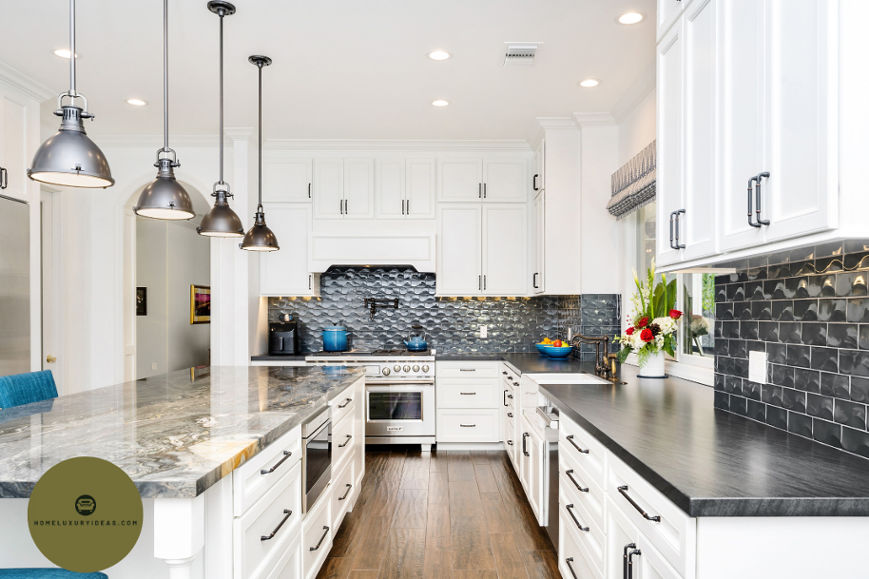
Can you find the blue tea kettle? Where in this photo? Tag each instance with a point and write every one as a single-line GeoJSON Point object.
{"type": "Point", "coordinates": [416, 341]}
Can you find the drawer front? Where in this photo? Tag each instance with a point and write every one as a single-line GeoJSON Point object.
{"type": "Point", "coordinates": [580, 488]}
{"type": "Point", "coordinates": [468, 394]}
{"type": "Point", "coordinates": [580, 540]}
{"type": "Point", "coordinates": [666, 526]}
{"type": "Point", "coordinates": [456, 425]}
{"type": "Point", "coordinates": [254, 478]}
{"type": "Point", "coordinates": [317, 533]}
{"type": "Point", "coordinates": [290, 565]}
{"type": "Point", "coordinates": [587, 452]}
{"type": "Point", "coordinates": [343, 492]}
{"type": "Point", "coordinates": [344, 403]}
{"type": "Point", "coordinates": [268, 528]}
{"type": "Point", "coordinates": [509, 435]}
{"type": "Point", "coordinates": [343, 442]}
{"type": "Point", "coordinates": [469, 369]}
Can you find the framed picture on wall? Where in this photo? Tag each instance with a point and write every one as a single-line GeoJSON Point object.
{"type": "Point", "coordinates": [141, 301]}
{"type": "Point", "coordinates": [200, 304]}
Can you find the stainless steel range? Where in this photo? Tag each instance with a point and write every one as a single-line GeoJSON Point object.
{"type": "Point", "coordinates": [399, 393]}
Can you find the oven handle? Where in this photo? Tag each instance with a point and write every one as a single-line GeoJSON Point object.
{"type": "Point", "coordinates": [427, 382]}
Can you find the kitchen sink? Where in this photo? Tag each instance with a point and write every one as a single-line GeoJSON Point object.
{"type": "Point", "coordinates": [565, 378]}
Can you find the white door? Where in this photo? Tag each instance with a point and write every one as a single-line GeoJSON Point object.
{"type": "Point", "coordinates": [742, 118]}
{"type": "Point", "coordinates": [419, 191]}
{"type": "Point", "coordinates": [697, 224]}
{"type": "Point", "coordinates": [668, 189]}
{"type": "Point", "coordinates": [358, 188]}
{"type": "Point", "coordinates": [288, 180]}
{"type": "Point", "coordinates": [504, 250]}
{"type": "Point", "coordinates": [538, 277]}
{"type": "Point", "coordinates": [328, 188]}
{"type": "Point", "coordinates": [802, 190]}
{"type": "Point", "coordinates": [461, 179]}
{"type": "Point", "coordinates": [505, 180]}
{"type": "Point", "coordinates": [389, 201]}
{"type": "Point", "coordinates": [286, 272]}
{"type": "Point", "coordinates": [459, 250]}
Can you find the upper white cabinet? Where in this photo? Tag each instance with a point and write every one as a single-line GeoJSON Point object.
{"type": "Point", "coordinates": [343, 188]}
{"type": "Point", "coordinates": [538, 281]}
{"type": "Point", "coordinates": [505, 237]}
{"type": "Point", "coordinates": [459, 253]}
{"type": "Point", "coordinates": [668, 12]}
{"type": "Point", "coordinates": [405, 188]}
{"type": "Point", "coordinates": [287, 180]}
{"type": "Point", "coordinates": [286, 272]}
{"type": "Point", "coordinates": [494, 179]}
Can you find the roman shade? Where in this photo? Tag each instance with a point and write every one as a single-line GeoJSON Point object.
{"type": "Point", "coordinates": [633, 184]}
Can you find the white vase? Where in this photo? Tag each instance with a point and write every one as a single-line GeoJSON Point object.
{"type": "Point", "coordinates": [653, 366]}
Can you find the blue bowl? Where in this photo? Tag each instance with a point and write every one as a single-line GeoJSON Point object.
{"type": "Point", "coordinates": [540, 348]}
{"type": "Point", "coordinates": [554, 352]}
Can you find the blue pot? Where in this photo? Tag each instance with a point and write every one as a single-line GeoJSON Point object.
{"type": "Point", "coordinates": [416, 344]}
{"type": "Point", "coordinates": [334, 339]}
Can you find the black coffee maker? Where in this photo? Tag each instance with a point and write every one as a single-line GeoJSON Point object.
{"type": "Point", "coordinates": [284, 337]}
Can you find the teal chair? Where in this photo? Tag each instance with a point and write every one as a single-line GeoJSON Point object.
{"type": "Point", "coordinates": [21, 389]}
{"type": "Point", "coordinates": [47, 574]}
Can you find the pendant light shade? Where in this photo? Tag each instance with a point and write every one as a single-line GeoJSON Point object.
{"type": "Point", "coordinates": [221, 221]}
{"type": "Point", "coordinates": [260, 237]}
{"type": "Point", "coordinates": [70, 158]}
{"type": "Point", "coordinates": [165, 198]}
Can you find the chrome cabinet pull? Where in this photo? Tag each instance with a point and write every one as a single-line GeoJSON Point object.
{"type": "Point", "coordinates": [578, 486]}
{"type": "Point", "coordinates": [287, 514]}
{"type": "Point", "coordinates": [287, 454]}
{"type": "Point", "coordinates": [576, 446]}
{"type": "Point", "coordinates": [525, 436]}
{"type": "Point", "coordinates": [346, 442]}
{"type": "Point", "coordinates": [570, 508]}
{"type": "Point", "coordinates": [678, 245]}
{"type": "Point", "coordinates": [323, 538]}
{"type": "Point", "coordinates": [757, 209]}
{"type": "Point", "coordinates": [346, 402]}
{"type": "Point", "coordinates": [468, 425]}
{"type": "Point", "coordinates": [349, 487]}
{"type": "Point", "coordinates": [569, 562]}
{"type": "Point", "coordinates": [624, 492]}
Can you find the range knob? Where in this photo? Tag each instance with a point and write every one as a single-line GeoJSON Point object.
{"type": "Point", "coordinates": [406, 368]}
{"type": "Point", "coordinates": [415, 368]}
{"type": "Point", "coordinates": [385, 371]}
{"type": "Point", "coordinates": [425, 368]}
{"type": "Point", "coordinates": [397, 368]}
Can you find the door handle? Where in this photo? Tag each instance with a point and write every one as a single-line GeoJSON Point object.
{"type": "Point", "coordinates": [578, 486]}
{"type": "Point", "coordinates": [505, 398]}
{"type": "Point", "coordinates": [750, 191]}
{"type": "Point", "coordinates": [678, 212]}
{"type": "Point", "coordinates": [480, 283]}
{"type": "Point", "coordinates": [4, 178]}
{"type": "Point", "coordinates": [484, 282]}
{"type": "Point", "coordinates": [347, 492]}
{"type": "Point", "coordinates": [485, 193]}
{"type": "Point", "coordinates": [345, 403]}
{"type": "Point", "coordinates": [402, 206]}
{"type": "Point", "coordinates": [576, 446]}
{"type": "Point", "coordinates": [309, 190]}
{"type": "Point", "coordinates": [340, 206]}
{"type": "Point", "coordinates": [579, 525]}
{"type": "Point", "coordinates": [346, 207]}
{"type": "Point", "coordinates": [407, 207]}
{"type": "Point", "coordinates": [346, 442]}
{"type": "Point", "coordinates": [287, 514]}
{"type": "Point", "coordinates": [534, 280]}
{"type": "Point", "coordinates": [310, 280]}
{"type": "Point", "coordinates": [479, 190]}
{"type": "Point", "coordinates": [524, 447]}
{"type": "Point", "coordinates": [320, 542]}
{"type": "Point", "coordinates": [468, 425]}
{"type": "Point", "coordinates": [672, 219]}
{"type": "Point", "coordinates": [569, 563]}
{"type": "Point", "coordinates": [287, 454]}
{"type": "Point", "coordinates": [628, 571]}
{"type": "Point", "coordinates": [757, 208]}
{"type": "Point", "coordinates": [534, 182]}
{"type": "Point", "coordinates": [623, 490]}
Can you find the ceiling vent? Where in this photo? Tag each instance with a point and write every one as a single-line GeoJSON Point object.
{"type": "Point", "coordinates": [520, 53]}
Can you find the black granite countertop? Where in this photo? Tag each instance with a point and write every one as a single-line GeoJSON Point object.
{"type": "Point", "coordinates": [711, 463]}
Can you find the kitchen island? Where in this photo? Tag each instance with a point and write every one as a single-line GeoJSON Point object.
{"type": "Point", "coordinates": [183, 438]}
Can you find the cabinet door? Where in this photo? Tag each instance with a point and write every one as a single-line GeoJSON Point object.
{"type": "Point", "coordinates": [505, 250]}
{"type": "Point", "coordinates": [459, 250]}
{"type": "Point", "coordinates": [670, 104]}
{"type": "Point", "coordinates": [538, 277]}
{"type": "Point", "coordinates": [647, 563]}
{"type": "Point", "coordinates": [13, 157]}
{"type": "Point", "coordinates": [461, 179]}
{"type": "Point", "coordinates": [535, 474]}
{"type": "Point", "coordinates": [419, 188]}
{"type": "Point", "coordinates": [286, 272]}
{"type": "Point", "coordinates": [742, 118]}
{"type": "Point", "coordinates": [287, 180]}
{"type": "Point", "coordinates": [389, 201]}
{"type": "Point", "coordinates": [801, 194]}
{"type": "Point", "coordinates": [506, 180]}
{"type": "Point", "coordinates": [538, 180]}
{"type": "Point", "coordinates": [328, 188]}
{"type": "Point", "coordinates": [697, 224]}
{"type": "Point", "coordinates": [358, 188]}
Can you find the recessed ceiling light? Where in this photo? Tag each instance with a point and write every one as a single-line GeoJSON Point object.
{"type": "Point", "coordinates": [136, 102]}
{"type": "Point", "coordinates": [631, 17]}
{"type": "Point", "coordinates": [589, 83]}
{"type": "Point", "coordinates": [440, 103]}
{"type": "Point", "coordinates": [439, 54]}
{"type": "Point", "coordinates": [62, 53]}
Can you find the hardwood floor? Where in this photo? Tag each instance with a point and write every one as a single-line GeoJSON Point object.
{"type": "Point", "coordinates": [447, 514]}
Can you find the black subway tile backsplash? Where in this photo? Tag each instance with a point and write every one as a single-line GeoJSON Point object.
{"type": "Point", "coordinates": [811, 316]}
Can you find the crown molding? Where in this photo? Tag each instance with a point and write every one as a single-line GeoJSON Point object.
{"type": "Point", "coordinates": [395, 145]}
{"type": "Point", "coordinates": [593, 119]}
{"type": "Point", "coordinates": [548, 123]}
{"type": "Point", "coordinates": [15, 79]}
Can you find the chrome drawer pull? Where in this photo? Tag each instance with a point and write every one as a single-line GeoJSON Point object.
{"type": "Point", "coordinates": [569, 562]}
{"type": "Point", "coordinates": [346, 402]}
{"type": "Point", "coordinates": [468, 425]}
{"type": "Point", "coordinates": [624, 492]}
{"type": "Point", "coordinates": [346, 442]}
{"type": "Point", "coordinates": [323, 538]}
{"type": "Point", "coordinates": [468, 393]}
{"type": "Point", "coordinates": [287, 454]}
{"type": "Point", "coordinates": [575, 520]}
{"type": "Point", "coordinates": [467, 369]}
{"type": "Point", "coordinates": [576, 446]}
{"type": "Point", "coordinates": [287, 514]}
{"type": "Point", "coordinates": [579, 487]}
{"type": "Point", "coordinates": [349, 487]}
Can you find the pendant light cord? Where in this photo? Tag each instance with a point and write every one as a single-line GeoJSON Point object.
{"type": "Point", "coordinates": [221, 96]}
{"type": "Point", "coordinates": [166, 76]}
{"type": "Point", "coordinates": [72, 92]}
{"type": "Point", "coordinates": [260, 144]}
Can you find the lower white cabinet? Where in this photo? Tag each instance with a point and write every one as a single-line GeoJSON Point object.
{"type": "Point", "coordinates": [469, 401]}
{"type": "Point", "coordinates": [468, 425]}
{"type": "Point", "coordinates": [630, 555]}
{"type": "Point", "coordinates": [532, 450]}
{"type": "Point", "coordinates": [573, 559]}
{"type": "Point", "coordinates": [317, 533]}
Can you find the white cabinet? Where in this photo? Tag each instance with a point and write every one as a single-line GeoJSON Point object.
{"type": "Point", "coordinates": [504, 249]}
{"type": "Point", "coordinates": [287, 179]}
{"type": "Point", "coordinates": [506, 180]}
{"type": "Point", "coordinates": [531, 456]}
{"type": "Point", "coordinates": [495, 179]}
{"type": "Point", "coordinates": [405, 188]}
{"type": "Point", "coordinates": [461, 179]}
{"type": "Point", "coordinates": [538, 279]}
{"type": "Point", "coordinates": [629, 554]}
{"type": "Point", "coordinates": [343, 188]}
{"type": "Point", "coordinates": [459, 255]}
{"type": "Point", "coordinates": [538, 179]}
{"type": "Point", "coordinates": [468, 402]}
{"type": "Point", "coordinates": [286, 272]}
{"type": "Point", "coordinates": [14, 158]}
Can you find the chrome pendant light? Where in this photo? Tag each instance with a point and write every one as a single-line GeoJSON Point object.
{"type": "Point", "coordinates": [70, 158]}
{"type": "Point", "coordinates": [221, 221]}
{"type": "Point", "coordinates": [260, 237]}
{"type": "Point", "coordinates": [165, 198]}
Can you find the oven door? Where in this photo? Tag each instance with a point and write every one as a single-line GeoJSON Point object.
{"type": "Point", "coordinates": [400, 409]}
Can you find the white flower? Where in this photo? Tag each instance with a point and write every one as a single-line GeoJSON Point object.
{"type": "Point", "coordinates": [667, 324]}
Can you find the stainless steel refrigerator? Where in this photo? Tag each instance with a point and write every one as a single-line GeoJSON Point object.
{"type": "Point", "coordinates": [14, 286]}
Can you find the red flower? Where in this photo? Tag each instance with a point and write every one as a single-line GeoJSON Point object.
{"type": "Point", "coordinates": [629, 331]}
{"type": "Point", "coordinates": [675, 314]}
{"type": "Point", "coordinates": [643, 321]}
{"type": "Point", "coordinates": [646, 335]}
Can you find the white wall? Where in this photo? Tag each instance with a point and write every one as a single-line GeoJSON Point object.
{"type": "Point", "coordinates": [637, 128]}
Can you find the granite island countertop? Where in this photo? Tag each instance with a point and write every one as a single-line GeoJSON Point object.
{"type": "Point", "coordinates": [175, 434]}
{"type": "Point", "coordinates": [709, 462]}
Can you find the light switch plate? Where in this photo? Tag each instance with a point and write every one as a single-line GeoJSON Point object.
{"type": "Point", "coordinates": [757, 367]}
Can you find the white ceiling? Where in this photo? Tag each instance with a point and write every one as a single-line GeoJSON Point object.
{"type": "Point", "coordinates": [343, 69]}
